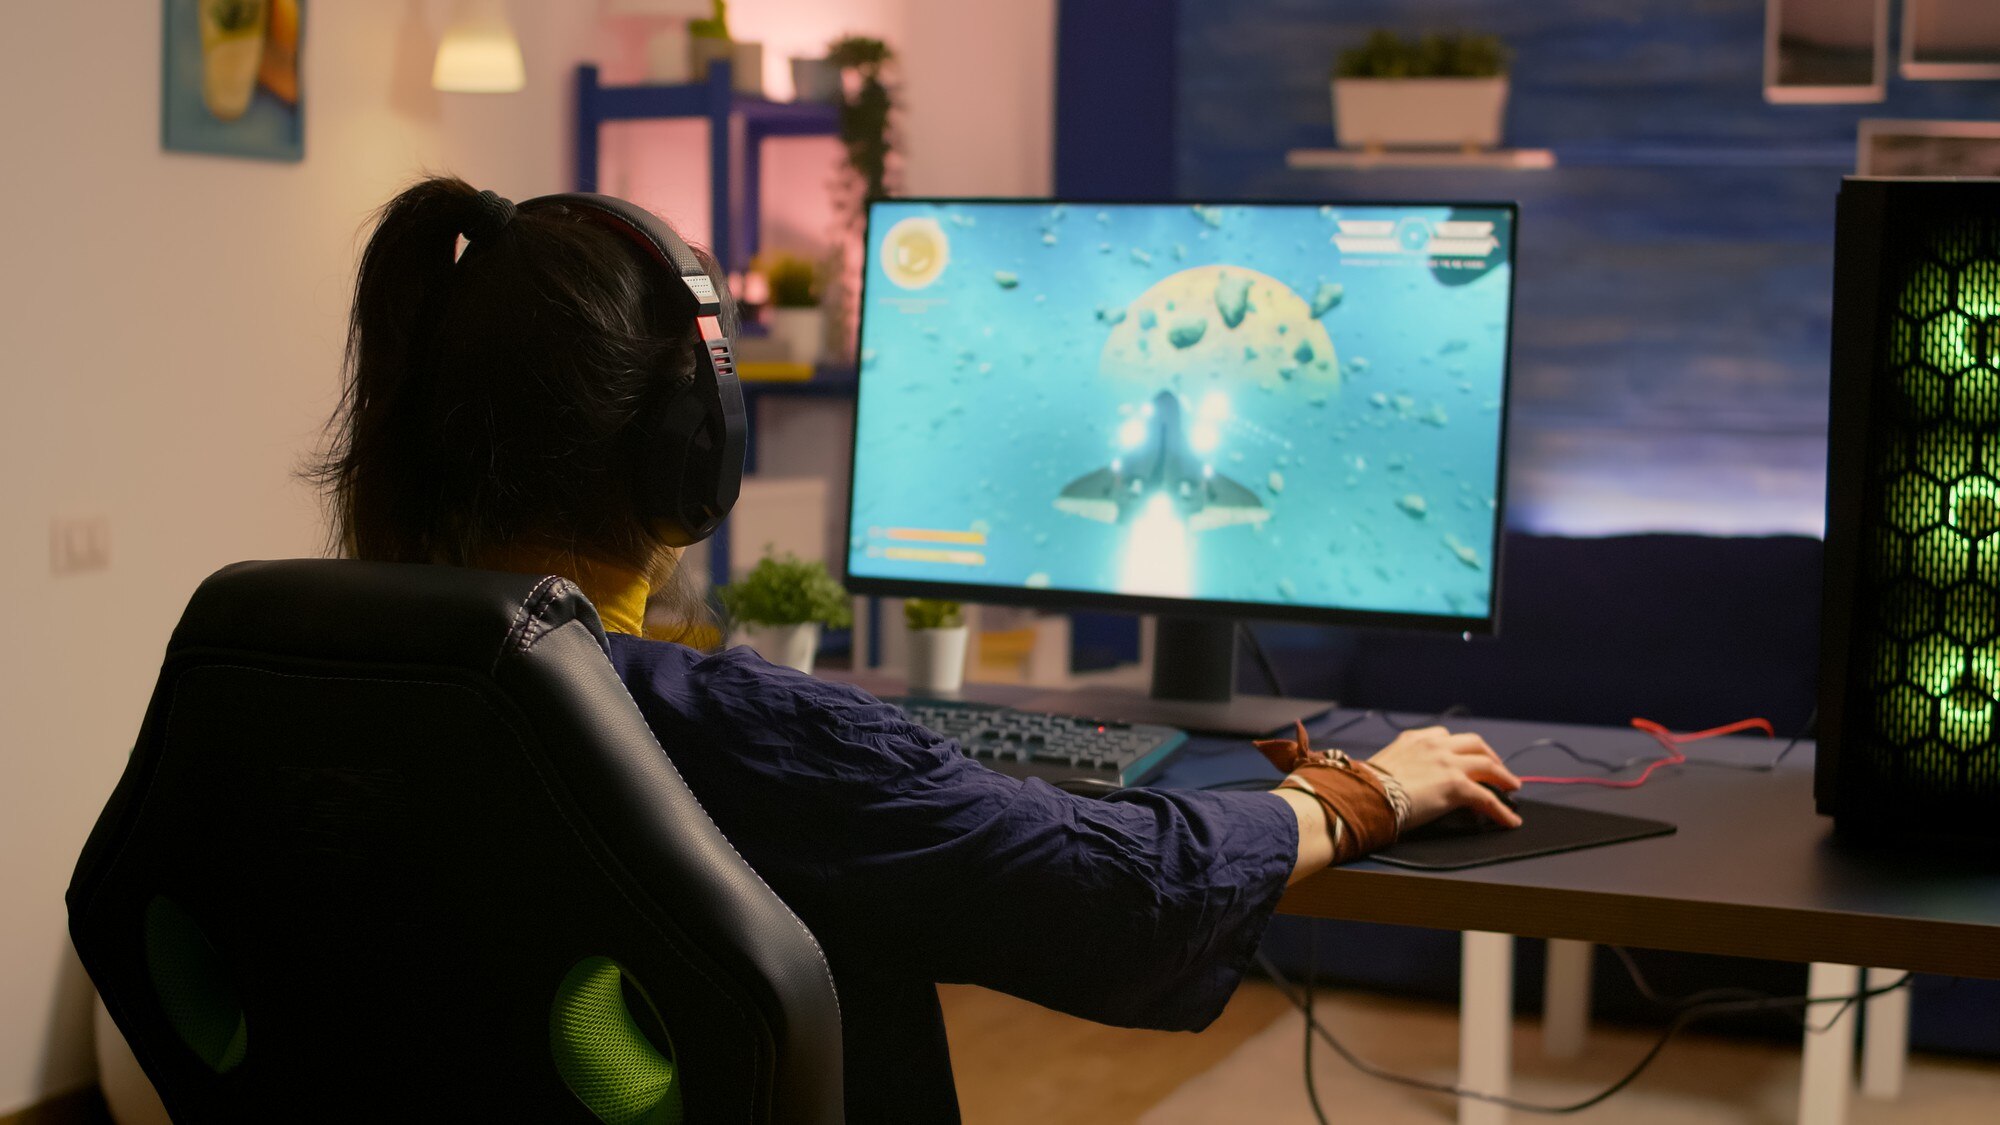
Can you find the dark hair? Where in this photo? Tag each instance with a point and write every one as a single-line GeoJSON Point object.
{"type": "Point", "coordinates": [492, 396]}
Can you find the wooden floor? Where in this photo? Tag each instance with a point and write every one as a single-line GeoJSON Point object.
{"type": "Point", "coordinates": [1019, 1062]}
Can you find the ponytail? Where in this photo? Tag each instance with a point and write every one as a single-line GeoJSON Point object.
{"type": "Point", "coordinates": [378, 469]}
{"type": "Point", "coordinates": [491, 397]}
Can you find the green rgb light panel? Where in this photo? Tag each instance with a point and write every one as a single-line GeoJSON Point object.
{"type": "Point", "coordinates": [1932, 640]}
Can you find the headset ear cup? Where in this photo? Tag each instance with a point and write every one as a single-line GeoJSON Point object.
{"type": "Point", "coordinates": [678, 459]}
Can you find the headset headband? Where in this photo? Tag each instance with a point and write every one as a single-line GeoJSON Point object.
{"type": "Point", "coordinates": [695, 459]}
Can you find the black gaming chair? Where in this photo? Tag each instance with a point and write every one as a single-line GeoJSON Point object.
{"type": "Point", "coordinates": [395, 845]}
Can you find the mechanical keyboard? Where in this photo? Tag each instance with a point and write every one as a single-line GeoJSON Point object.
{"type": "Point", "coordinates": [1051, 747]}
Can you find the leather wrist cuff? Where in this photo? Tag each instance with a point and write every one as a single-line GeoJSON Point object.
{"type": "Point", "coordinates": [1361, 814]}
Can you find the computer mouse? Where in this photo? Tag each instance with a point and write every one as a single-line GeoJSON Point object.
{"type": "Point", "coordinates": [1086, 786]}
{"type": "Point", "coordinates": [1463, 821]}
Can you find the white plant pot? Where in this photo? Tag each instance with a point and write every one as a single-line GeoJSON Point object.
{"type": "Point", "coordinates": [667, 54]}
{"type": "Point", "coordinates": [1418, 112]}
{"type": "Point", "coordinates": [802, 332]}
{"type": "Point", "coordinates": [937, 660]}
{"type": "Point", "coordinates": [703, 50]}
{"type": "Point", "coordinates": [746, 69]}
{"type": "Point", "coordinates": [792, 646]}
{"type": "Point", "coordinates": [816, 81]}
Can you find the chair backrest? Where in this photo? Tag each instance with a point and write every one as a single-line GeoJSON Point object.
{"type": "Point", "coordinates": [396, 844]}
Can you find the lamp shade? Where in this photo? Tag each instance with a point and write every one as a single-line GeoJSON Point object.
{"type": "Point", "coordinates": [479, 53]}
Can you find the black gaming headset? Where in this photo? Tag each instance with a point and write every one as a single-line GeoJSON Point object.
{"type": "Point", "coordinates": [692, 442]}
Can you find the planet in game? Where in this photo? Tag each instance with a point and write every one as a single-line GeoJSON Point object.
{"type": "Point", "coordinates": [1217, 323]}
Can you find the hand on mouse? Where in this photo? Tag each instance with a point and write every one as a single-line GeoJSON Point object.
{"type": "Point", "coordinates": [1442, 771]}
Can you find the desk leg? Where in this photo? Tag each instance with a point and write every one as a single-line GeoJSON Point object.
{"type": "Point", "coordinates": [1485, 1023]}
{"type": "Point", "coordinates": [1885, 1037]}
{"type": "Point", "coordinates": [1566, 998]}
{"type": "Point", "coordinates": [1828, 1073]}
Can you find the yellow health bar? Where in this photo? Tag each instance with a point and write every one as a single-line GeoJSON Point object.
{"type": "Point", "coordinates": [933, 554]}
{"type": "Point", "coordinates": [937, 535]}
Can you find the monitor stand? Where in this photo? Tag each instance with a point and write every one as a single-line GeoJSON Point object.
{"type": "Point", "coordinates": [1194, 682]}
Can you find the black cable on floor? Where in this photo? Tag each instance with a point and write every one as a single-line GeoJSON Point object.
{"type": "Point", "coordinates": [1312, 975]}
{"type": "Point", "coordinates": [1686, 1015]}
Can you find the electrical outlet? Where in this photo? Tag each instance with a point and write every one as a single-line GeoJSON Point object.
{"type": "Point", "coordinates": [79, 545]}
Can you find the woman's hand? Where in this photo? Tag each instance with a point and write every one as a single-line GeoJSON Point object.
{"type": "Point", "coordinates": [1442, 771]}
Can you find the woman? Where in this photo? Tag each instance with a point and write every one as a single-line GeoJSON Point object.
{"type": "Point", "coordinates": [489, 421]}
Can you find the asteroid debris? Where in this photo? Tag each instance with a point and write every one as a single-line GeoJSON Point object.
{"type": "Point", "coordinates": [1326, 299]}
{"type": "Point", "coordinates": [1188, 331]}
{"type": "Point", "coordinates": [1232, 298]}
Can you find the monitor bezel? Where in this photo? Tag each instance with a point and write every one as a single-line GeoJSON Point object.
{"type": "Point", "coordinates": [1106, 602]}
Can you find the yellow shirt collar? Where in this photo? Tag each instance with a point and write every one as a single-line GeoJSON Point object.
{"type": "Point", "coordinates": [618, 592]}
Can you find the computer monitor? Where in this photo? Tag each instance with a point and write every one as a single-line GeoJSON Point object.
{"type": "Point", "coordinates": [1210, 412]}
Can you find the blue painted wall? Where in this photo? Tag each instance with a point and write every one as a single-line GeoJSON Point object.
{"type": "Point", "coordinates": [1675, 269]}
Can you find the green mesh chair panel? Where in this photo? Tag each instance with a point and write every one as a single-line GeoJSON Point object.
{"type": "Point", "coordinates": [1927, 676]}
{"type": "Point", "coordinates": [603, 1056]}
{"type": "Point", "coordinates": [193, 987]}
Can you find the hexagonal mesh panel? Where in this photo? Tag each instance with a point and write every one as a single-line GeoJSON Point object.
{"type": "Point", "coordinates": [1923, 704]}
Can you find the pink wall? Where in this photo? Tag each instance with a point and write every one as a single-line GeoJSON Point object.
{"type": "Point", "coordinates": [976, 86]}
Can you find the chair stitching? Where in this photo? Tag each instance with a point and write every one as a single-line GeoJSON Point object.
{"type": "Point", "coordinates": [522, 611]}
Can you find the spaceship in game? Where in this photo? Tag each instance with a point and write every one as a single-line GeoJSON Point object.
{"type": "Point", "coordinates": [1164, 458]}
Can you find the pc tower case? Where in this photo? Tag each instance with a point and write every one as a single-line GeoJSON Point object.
{"type": "Point", "coordinates": [1909, 714]}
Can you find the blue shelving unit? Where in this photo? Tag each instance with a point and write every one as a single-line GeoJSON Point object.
{"type": "Point", "coordinates": [738, 126]}
{"type": "Point", "coordinates": [828, 381]}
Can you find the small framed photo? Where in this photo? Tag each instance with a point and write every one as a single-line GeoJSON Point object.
{"type": "Point", "coordinates": [230, 78]}
{"type": "Point", "coordinates": [1964, 149]}
{"type": "Point", "coordinates": [1823, 52]}
{"type": "Point", "coordinates": [1950, 39]}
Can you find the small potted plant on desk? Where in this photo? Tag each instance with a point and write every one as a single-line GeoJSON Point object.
{"type": "Point", "coordinates": [779, 607]}
{"type": "Point", "coordinates": [794, 316]}
{"type": "Point", "coordinates": [937, 646]}
{"type": "Point", "coordinates": [1440, 91]}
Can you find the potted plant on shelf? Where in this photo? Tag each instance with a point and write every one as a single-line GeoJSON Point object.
{"type": "Point", "coordinates": [779, 607]}
{"type": "Point", "coordinates": [937, 646]}
{"type": "Point", "coordinates": [1439, 91]}
{"type": "Point", "coordinates": [864, 113]}
{"type": "Point", "coordinates": [794, 314]}
{"type": "Point", "coordinates": [709, 42]}
{"type": "Point", "coordinates": [660, 28]}
{"type": "Point", "coordinates": [815, 80]}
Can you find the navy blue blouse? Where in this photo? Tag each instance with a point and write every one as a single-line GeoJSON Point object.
{"type": "Point", "coordinates": [914, 865]}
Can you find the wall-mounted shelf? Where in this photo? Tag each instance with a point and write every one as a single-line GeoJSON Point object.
{"type": "Point", "coordinates": [1614, 154]}
{"type": "Point", "coordinates": [1950, 40]}
{"type": "Point", "coordinates": [1826, 52]}
{"type": "Point", "coordinates": [738, 126]}
{"type": "Point", "coordinates": [1353, 159]}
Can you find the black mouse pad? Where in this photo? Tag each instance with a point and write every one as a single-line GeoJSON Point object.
{"type": "Point", "coordinates": [1545, 829]}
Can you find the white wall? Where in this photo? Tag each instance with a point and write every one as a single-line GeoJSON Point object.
{"type": "Point", "coordinates": [170, 334]}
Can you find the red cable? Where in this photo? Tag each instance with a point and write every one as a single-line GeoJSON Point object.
{"type": "Point", "coordinates": [1667, 739]}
